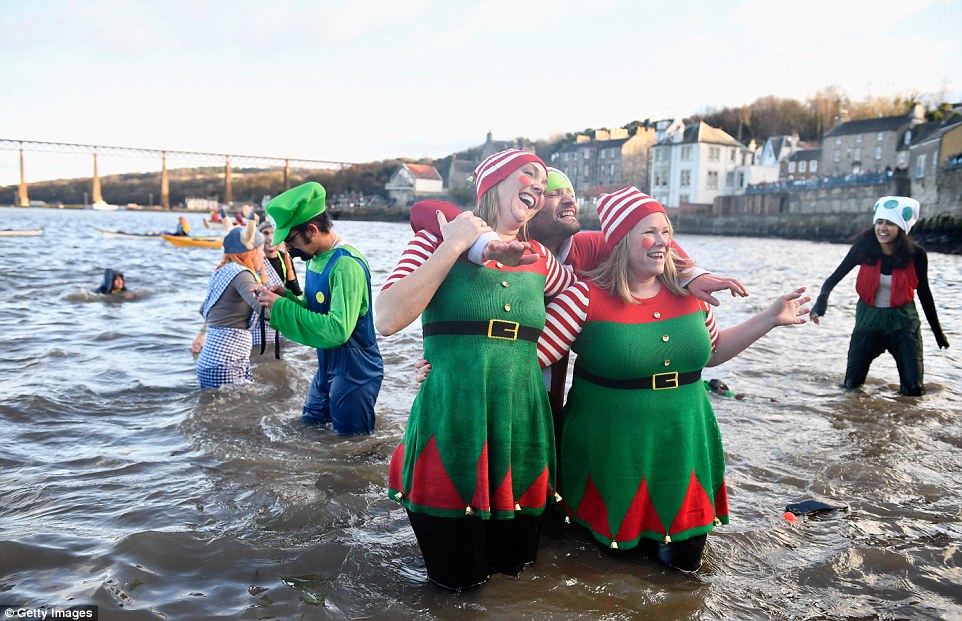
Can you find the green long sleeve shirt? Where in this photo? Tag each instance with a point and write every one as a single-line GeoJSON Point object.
{"type": "Point", "coordinates": [350, 300]}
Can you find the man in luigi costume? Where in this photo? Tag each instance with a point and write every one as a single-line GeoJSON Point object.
{"type": "Point", "coordinates": [334, 315]}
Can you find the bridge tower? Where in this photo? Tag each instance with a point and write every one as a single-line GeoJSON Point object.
{"type": "Point", "coordinates": [22, 197]}
{"type": "Point", "coordinates": [164, 182]}
{"type": "Point", "coordinates": [95, 190]}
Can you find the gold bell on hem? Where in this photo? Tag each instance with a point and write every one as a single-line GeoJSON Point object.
{"type": "Point", "coordinates": [468, 510]}
{"type": "Point", "coordinates": [667, 539]}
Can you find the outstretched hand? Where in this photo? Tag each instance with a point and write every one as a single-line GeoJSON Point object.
{"type": "Point", "coordinates": [512, 253]}
{"type": "Point", "coordinates": [790, 309]}
{"type": "Point", "coordinates": [703, 286]}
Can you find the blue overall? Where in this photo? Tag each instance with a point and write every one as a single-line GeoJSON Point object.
{"type": "Point", "coordinates": [348, 377]}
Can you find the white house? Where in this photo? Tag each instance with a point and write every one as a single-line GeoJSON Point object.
{"type": "Point", "coordinates": [412, 182]}
{"type": "Point", "coordinates": [692, 165]}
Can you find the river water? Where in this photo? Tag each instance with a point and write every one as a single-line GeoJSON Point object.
{"type": "Point", "coordinates": [124, 486]}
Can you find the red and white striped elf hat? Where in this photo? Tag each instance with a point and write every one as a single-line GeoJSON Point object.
{"type": "Point", "coordinates": [497, 167]}
{"type": "Point", "coordinates": [621, 210]}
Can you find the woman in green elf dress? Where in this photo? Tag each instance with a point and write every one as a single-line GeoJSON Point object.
{"type": "Point", "coordinates": [476, 466]}
{"type": "Point", "coordinates": [641, 459]}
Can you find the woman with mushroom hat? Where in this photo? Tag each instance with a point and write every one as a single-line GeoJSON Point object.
{"type": "Point", "coordinates": [891, 269]}
{"type": "Point", "coordinates": [225, 355]}
{"type": "Point", "coordinates": [476, 466]}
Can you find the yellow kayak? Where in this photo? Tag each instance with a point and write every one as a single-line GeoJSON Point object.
{"type": "Point", "coordinates": [202, 242]}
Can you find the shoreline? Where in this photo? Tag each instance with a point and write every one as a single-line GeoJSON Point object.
{"type": "Point", "coordinates": [941, 234]}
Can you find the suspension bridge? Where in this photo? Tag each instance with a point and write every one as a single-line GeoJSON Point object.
{"type": "Point", "coordinates": [163, 155]}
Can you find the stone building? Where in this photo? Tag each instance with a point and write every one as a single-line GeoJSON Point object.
{"type": "Point", "coordinates": [869, 145]}
{"type": "Point", "coordinates": [608, 157]}
{"type": "Point", "coordinates": [930, 146]}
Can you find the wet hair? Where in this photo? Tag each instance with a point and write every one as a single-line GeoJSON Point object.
{"type": "Point", "coordinates": [614, 274]}
{"type": "Point", "coordinates": [868, 250]}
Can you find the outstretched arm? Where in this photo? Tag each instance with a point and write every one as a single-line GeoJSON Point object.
{"type": "Point", "coordinates": [787, 310]}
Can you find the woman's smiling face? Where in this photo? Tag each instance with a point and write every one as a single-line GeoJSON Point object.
{"type": "Point", "coordinates": [648, 246]}
{"type": "Point", "coordinates": [521, 195]}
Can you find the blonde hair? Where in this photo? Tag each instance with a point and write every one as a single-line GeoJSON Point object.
{"type": "Point", "coordinates": [487, 210]}
{"type": "Point", "coordinates": [614, 274]}
{"type": "Point", "coordinates": [244, 259]}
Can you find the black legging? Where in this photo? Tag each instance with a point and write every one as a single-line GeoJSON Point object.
{"type": "Point", "coordinates": [464, 552]}
{"type": "Point", "coordinates": [904, 345]}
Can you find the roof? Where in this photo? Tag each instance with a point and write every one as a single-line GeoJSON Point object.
{"type": "Point", "coordinates": [864, 126]}
{"type": "Point", "coordinates": [928, 131]}
{"type": "Point", "coordinates": [423, 171]}
{"type": "Point", "coordinates": [595, 144]}
{"type": "Point", "coordinates": [805, 154]}
{"type": "Point", "coordinates": [703, 132]}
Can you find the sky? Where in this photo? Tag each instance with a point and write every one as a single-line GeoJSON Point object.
{"type": "Point", "coordinates": [359, 81]}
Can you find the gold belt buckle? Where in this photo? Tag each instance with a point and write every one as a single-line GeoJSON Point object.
{"type": "Point", "coordinates": [507, 330]}
{"type": "Point", "coordinates": [670, 381]}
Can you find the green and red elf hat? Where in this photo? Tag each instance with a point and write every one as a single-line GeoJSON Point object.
{"type": "Point", "coordinates": [497, 167]}
{"type": "Point", "coordinates": [621, 210]}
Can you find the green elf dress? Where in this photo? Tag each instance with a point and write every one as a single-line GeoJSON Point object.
{"type": "Point", "coordinates": [479, 442]}
{"type": "Point", "coordinates": [641, 453]}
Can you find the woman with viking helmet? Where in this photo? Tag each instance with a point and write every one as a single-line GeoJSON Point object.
{"type": "Point", "coordinates": [225, 355]}
{"type": "Point", "coordinates": [476, 466]}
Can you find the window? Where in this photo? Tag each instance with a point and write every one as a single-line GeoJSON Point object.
{"type": "Point", "coordinates": [731, 155]}
{"type": "Point", "coordinates": [686, 178]}
{"type": "Point", "coordinates": [685, 154]}
{"type": "Point", "coordinates": [838, 140]}
{"type": "Point", "coordinates": [683, 198]}
{"type": "Point", "coordinates": [712, 180]}
{"type": "Point", "coordinates": [657, 179]}
{"type": "Point", "coordinates": [858, 139]}
{"type": "Point", "coordinates": [602, 154]}
{"type": "Point", "coordinates": [612, 170]}
{"type": "Point", "coordinates": [801, 166]}
{"type": "Point", "coordinates": [813, 166]}
{"type": "Point", "coordinates": [856, 169]}
{"type": "Point", "coordinates": [587, 154]}
{"type": "Point", "coordinates": [878, 152]}
{"type": "Point", "coordinates": [901, 158]}
{"type": "Point", "coordinates": [587, 171]}
{"type": "Point", "coordinates": [920, 167]}
{"type": "Point", "coordinates": [857, 156]}
{"type": "Point", "coordinates": [837, 156]}
{"type": "Point", "coordinates": [741, 179]}
{"type": "Point", "coordinates": [714, 154]}
{"type": "Point", "coordinates": [791, 167]}
{"type": "Point", "coordinates": [729, 179]}
{"type": "Point", "coordinates": [880, 136]}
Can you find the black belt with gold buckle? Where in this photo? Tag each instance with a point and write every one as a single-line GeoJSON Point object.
{"type": "Point", "coordinates": [659, 381]}
{"type": "Point", "coordinates": [493, 329]}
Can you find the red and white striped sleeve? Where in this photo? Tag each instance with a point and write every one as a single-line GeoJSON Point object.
{"type": "Point", "coordinates": [710, 324]}
{"type": "Point", "coordinates": [559, 278]}
{"type": "Point", "coordinates": [566, 315]}
{"type": "Point", "coordinates": [415, 254]}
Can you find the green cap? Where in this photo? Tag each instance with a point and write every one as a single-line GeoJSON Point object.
{"type": "Point", "coordinates": [557, 179]}
{"type": "Point", "coordinates": [293, 207]}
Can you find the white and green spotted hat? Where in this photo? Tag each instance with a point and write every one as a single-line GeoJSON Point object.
{"type": "Point", "coordinates": [900, 210]}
